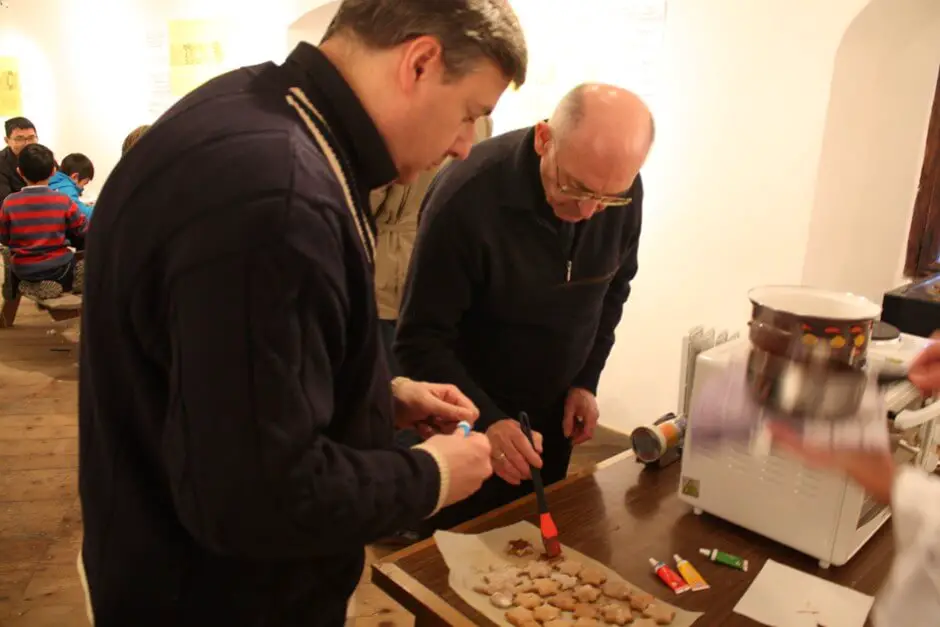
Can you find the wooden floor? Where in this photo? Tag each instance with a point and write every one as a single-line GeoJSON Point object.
{"type": "Point", "coordinates": [40, 516]}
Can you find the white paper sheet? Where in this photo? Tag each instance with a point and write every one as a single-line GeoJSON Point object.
{"type": "Point", "coordinates": [781, 596]}
{"type": "Point", "coordinates": [469, 555]}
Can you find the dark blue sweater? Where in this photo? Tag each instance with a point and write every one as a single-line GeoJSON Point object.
{"type": "Point", "coordinates": [235, 413]}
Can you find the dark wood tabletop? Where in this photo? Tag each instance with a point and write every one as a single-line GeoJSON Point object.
{"type": "Point", "coordinates": [622, 515]}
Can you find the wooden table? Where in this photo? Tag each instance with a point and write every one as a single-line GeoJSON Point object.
{"type": "Point", "coordinates": [621, 515]}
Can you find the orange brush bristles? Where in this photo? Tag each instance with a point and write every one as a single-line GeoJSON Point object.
{"type": "Point", "coordinates": [549, 535]}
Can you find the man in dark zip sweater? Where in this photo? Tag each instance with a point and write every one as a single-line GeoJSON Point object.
{"type": "Point", "coordinates": [522, 265]}
{"type": "Point", "coordinates": [235, 409]}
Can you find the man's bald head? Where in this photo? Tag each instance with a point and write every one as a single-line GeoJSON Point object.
{"type": "Point", "coordinates": [596, 141]}
{"type": "Point", "coordinates": [595, 112]}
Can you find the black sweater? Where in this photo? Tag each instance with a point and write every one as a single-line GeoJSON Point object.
{"type": "Point", "coordinates": [235, 414]}
{"type": "Point", "coordinates": [498, 301]}
{"type": "Point", "coordinates": [10, 181]}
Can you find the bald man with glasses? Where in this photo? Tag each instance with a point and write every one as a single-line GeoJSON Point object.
{"type": "Point", "coordinates": [522, 265]}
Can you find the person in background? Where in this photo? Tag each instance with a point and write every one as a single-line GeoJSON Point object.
{"type": "Point", "coordinates": [133, 137]}
{"type": "Point", "coordinates": [520, 272]}
{"type": "Point", "coordinates": [911, 595]}
{"type": "Point", "coordinates": [236, 416]}
{"type": "Point", "coordinates": [36, 223]}
{"type": "Point", "coordinates": [74, 173]}
{"type": "Point", "coordinates": [19, 133]}
{"type": "Point", "coordinates": [395, 210]}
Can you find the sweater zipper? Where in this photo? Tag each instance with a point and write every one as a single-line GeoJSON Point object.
{"type": "Point", "coordinates": [575, 237]}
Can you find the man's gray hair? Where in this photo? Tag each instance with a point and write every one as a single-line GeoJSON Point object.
{"type": "Point", "coordinates": [469, 30]}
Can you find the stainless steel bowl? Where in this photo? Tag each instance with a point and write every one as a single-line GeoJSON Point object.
{"type": "Point", "coordinates": [804, 389]}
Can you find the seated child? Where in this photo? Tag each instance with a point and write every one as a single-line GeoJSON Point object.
{"type": "Point", "coordinates": [36, 222]}
{"type": "Point", "coordinates": [75, 172]}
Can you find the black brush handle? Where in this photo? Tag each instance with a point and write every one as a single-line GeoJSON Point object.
{"type": "Point", "coordinates": [536, 475]}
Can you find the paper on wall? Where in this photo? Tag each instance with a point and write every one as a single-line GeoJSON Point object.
{"type": "Point", "coordinates": [11, 97]}
{"type": "Point", "coordinates": [468, 556]}
{"type": "Point", "coordinates": [197, 53]}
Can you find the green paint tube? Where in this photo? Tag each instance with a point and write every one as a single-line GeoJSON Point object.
{"type": "Point", "coordinates": [725, 558]}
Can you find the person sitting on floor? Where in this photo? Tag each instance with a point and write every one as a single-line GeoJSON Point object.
{"type": "Point", "coordinates": [133, 137]}
{"type": "Point", "coordinates": [35, 223]}
{"type": "Point", "coordinates": [20, 132]}
{"type": "Point", "coordinates": [75, 172]}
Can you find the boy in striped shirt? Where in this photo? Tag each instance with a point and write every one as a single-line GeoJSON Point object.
{"type": "Point", "coordinates": [38, 224]}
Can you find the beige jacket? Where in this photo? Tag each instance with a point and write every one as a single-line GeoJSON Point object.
{"type": "Point", "coordinates": [396, 217]}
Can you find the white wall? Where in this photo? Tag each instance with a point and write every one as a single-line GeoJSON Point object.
{"type": "Point", "coordinates": [311, 25]}
{"type": "Point", "coordinates": [85, 63]}
{"type": "Point", "coordinates": [884, 82]}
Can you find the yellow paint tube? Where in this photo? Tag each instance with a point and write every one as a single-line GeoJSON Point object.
{"type": "Point", "coordinates": [691, 576]}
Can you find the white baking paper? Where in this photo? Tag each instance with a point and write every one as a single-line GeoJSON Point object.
{"type": "Point", "coordinates": [781, 596]}
{"type": "Point", "coordinates": [468, 556]}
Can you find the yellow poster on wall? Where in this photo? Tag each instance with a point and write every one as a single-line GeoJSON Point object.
{"type": "Point", "coordinates": [197, 53]}
{"type": "Point", "coordinates": [11, 98]}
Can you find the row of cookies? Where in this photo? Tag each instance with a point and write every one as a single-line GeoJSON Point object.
{"type": "Point", "coordinates": [615, 590]}
{"type": "Point", "coordinates": [566, 589]}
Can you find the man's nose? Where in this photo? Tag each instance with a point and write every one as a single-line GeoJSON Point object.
{"type": "Point", "coordinates": [588, 208]}
{"type": "Point", "coordinates": [460, 149]}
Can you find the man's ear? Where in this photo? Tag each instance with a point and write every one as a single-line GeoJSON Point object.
{"type": "Point", "coordinates": [20, 173]}
{"type": "Point", "coordinates": [423, 57]}
{"type": "Point", "coordinates": [74, 177]}
{"type": "Point", "coordinates": [543, 135]}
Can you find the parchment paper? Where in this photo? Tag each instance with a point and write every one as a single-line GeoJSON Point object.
{"type": "Point", "coordinates": [468, 556]}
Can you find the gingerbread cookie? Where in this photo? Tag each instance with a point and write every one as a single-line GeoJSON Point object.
{"type": "Point", "coordinates": [545, 587]}
{"type": "Point", "coordinates": [565, 582]}
{"type": "Point", "coordinates": [520, 617]}
{"type": "Point", "coordinates": [538, 570]}
{"type": "Point", "coordinates": [586, 622]}
{"type": "Point", "coordinates": [502, 600]}
{"type": "Point", "coordinates": [640, 600]}
{"type": "Point", "coordinates": [559, 622]}
{"type": "Point", "coordinates": [563, 601]}
{"type": "Point", "coordinates": [546, 613]}
{"type": "Point", "coordinates": [585, 610]}
{"type": "Point", "coordinates": [487, 588]}
{"type": "Point", "coordinates": [569, 567]}
{"type": "Point", "coordinates": [616, 589]}
{"type": "Point", "coordinates": [520, 548]}
{"type": "Point", "coordinates": [617, 614]}
{"type": "Point", "coordinates": [528, 600]}
{"type": "Point", "coordinates": [661, 615]}
{"type": "Point", "coordinates": [587, 594]}
{"type": "Point", "coordinates": [504, 580]}
{"type": "Point", "coordinates": [592, 576]}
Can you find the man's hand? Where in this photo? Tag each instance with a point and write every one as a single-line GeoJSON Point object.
{"type": "Point", "coordinates": [467, 459]}
{"type": "Point", "coordinates": [581, 415]}
{"type": "Point", "coordinates": [925, 371]}
{"type": "Point", "coordinates": [416, 401]}
{"type": "Point", "coordinates": [874, 471]}
{"type": "Point", "coordinates": [512, 452]}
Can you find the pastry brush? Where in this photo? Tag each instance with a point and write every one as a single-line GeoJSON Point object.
{"type": "Point", "coordinates": [546, 524]}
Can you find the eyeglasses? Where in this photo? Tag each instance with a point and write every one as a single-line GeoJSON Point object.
{"type": "Point", "coordinates": [580, 195]}
{"type": "Point", "coordinates": [24, 139]}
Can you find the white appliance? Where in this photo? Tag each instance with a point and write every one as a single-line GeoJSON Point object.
{"type": "Point", "coordinates": [818, 513]}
